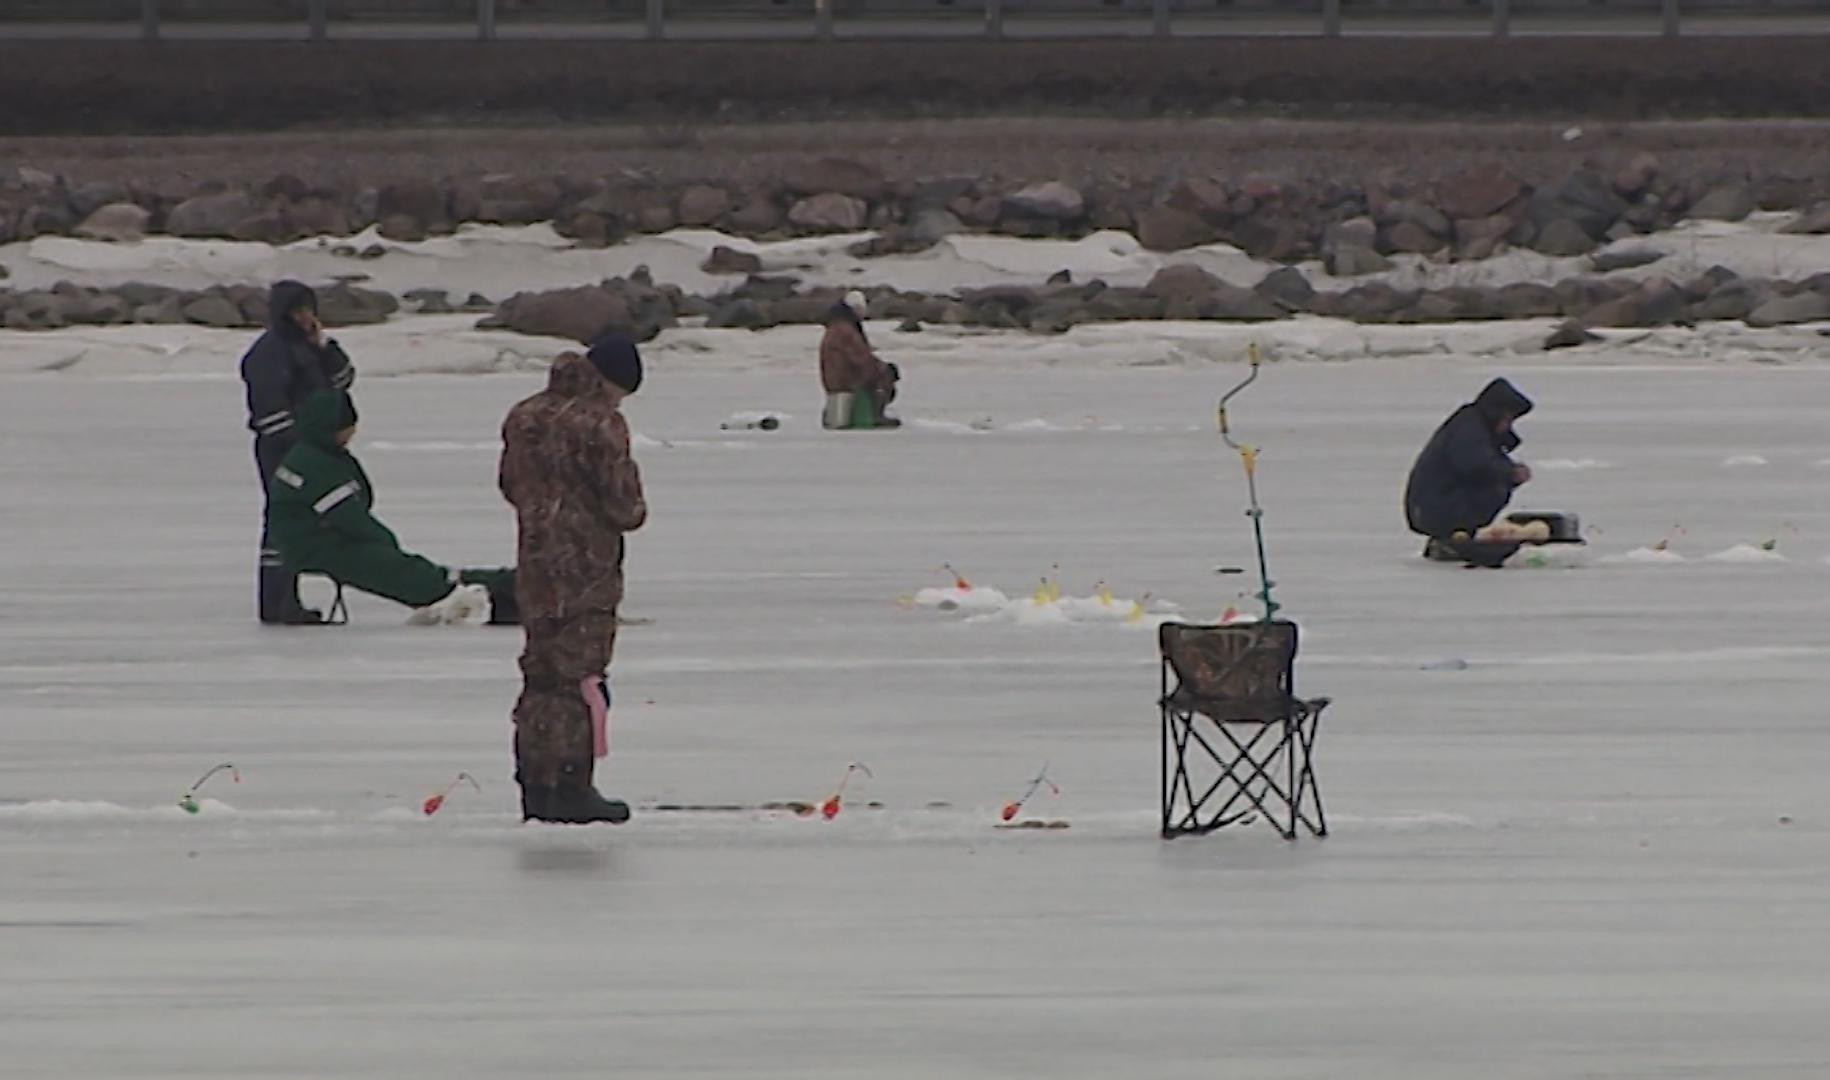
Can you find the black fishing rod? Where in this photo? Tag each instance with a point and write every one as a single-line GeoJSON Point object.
{"type": "Point", "coordinates": [1248, 459]}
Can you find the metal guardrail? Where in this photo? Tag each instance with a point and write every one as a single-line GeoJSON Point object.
{"type": "Point", "coordinates": [669, 19]}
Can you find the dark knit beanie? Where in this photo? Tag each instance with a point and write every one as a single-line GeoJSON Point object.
{"type": "Point", "coordinates": [616, 359]}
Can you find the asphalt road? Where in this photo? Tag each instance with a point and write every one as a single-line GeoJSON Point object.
{"type": "Point", "coordinates": [785, 29]}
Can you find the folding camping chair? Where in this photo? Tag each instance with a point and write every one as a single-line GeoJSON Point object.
{"type": "Point", "coordinates": [1237, 742]}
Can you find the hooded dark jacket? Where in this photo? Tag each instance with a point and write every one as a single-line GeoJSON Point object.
{"type": "Point", "coordinates": [567, 472]}
{"type": "Point", "coordinates": [847, 362]}
{"type": "Point", "coordinates": [1464, 477]}
{"type": "Point", "coordinates": [282, 368]}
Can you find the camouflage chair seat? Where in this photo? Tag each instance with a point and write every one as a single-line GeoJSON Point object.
{"type": "Point", "coordinates": [1237, 741]}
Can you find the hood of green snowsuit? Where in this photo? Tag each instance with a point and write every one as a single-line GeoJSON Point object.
{"type": "Point", "coordinates": [325, 413]}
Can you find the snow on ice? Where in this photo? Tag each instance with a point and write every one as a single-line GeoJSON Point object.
{"type": "Point", "coordinates": [1598, 846]}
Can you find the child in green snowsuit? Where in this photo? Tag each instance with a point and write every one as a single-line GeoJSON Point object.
{"type": "Point", "coordinates": [322, 521]}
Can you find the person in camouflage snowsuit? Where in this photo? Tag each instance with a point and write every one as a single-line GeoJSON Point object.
{"type": "Point", "coordinates": [321, 520]}
{"type": "Point", "coordinates": [567, 472]}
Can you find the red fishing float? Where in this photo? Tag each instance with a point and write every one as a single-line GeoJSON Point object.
{"type": "Point", "coordinates": [1011, 809]}
{"type": "Point", "coordinates": [432, 804]}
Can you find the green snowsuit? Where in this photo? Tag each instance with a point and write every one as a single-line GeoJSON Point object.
{"type": "Point", "coordinates": [321, 519]}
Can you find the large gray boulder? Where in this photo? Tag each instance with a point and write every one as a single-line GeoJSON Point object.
{"type": "Point", "coordinates": [829, 212]}
{"type": "Point", "coordinates": [702, 205]}
{"type": "Point", "coordinates": [1353, 261]}
{"type": "Point", "coordinates": [1812, 222]}
{"type": "Point", "coordinates": [837, 175]}
{"type": "Point", "coordinates": [1801, 307]}
{"type": "Point", "coordinates": [1735, 298]}
{"type": "Point", "coordinates": [1287, 287]}
{"type": "Point", "coordinates": [934, 224]}
{"type": "Point", "coordinates": [756, 216]}
{"type": "Point", "coordinates": [1582, 198]}
{"type": "Point", "coordinates": [1051, 201]}
{"type": "Point", "coordinates": [1478, 192]}
{"type": "Point", "coordinates": [1411, 211]}
{"type": "Point", "coordinates": [418, 199]}
{"type": "Point", "coordinates": [210, 216]}
{"type": "Point", "coordinates": [1203, 197]}
{"type": "Point", "coordinates": [728, 260]}
{"type": "Point", "coordinates": [1165, 228]}
{"type": "Point", "coordinates": [1189, 292]}
{"type": "Point", "coordinates": [582, 314]}
{"type": "Point", "coordinates": [1607, 262]}
{"type": "Point", "coordinates": [120, 222]}
{"type": "Point", "coordinates": [1569, 336]}
{"type": "Point", "coordinates": [1731, 201]}
{"type": "Point", "coordinates": [36, 310]}
{"type": "Point", "coordinates": [212, 310]}
{"type": "Point", "coordinates": [344, 304]}
{"type": "Point", "coordinates": [1563, 237]}
{"type": "Point", "coordinates": [512, 199]}
{"type": "Point", "coordinates": [1526, 300]}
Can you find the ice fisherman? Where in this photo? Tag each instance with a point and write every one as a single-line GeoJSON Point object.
{"type": "Point", "coordinates": [567, 471]}
{"type": "Point", "coordinates": [290, 361]}
{"type": "Point", "coordinates": [1466, 475]}
{"type": "Point", "coordinates": [859, 386]}
{"type": "Point", "coordinates": [321, 519]}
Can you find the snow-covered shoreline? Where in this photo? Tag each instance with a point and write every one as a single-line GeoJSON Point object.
{"type": "Point", "coordinates": [498, 261]}
{"type": "Point", "coordinates": [451, 345]}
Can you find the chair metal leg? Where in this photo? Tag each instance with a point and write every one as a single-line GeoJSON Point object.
{"type": "Point", "coordinates": [1276, 780]}
{"type": "Point", "coordinates": [1319, 826]}
{"type": "Point", "coordinates": [1292, 731]}
{"type": "Point", "coordinates": [1179, 782]}
{"type": "Point", "coordinates": [1163, 748]}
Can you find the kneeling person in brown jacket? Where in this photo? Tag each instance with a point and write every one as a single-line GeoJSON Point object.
{"type": "Point", "coordinates": [849, 369]}
{"type": "Point", "coordinates": [566, 470]}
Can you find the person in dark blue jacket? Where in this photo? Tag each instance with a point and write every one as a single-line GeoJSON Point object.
{"type": "Point", "coordinates": [288, 363]}
{"type": "Point", "coordinates": [1466, 475]}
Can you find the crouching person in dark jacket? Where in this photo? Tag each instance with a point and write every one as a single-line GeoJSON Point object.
{"type": "Point", "coordinates": [321, 518]}
{"type": "Point", "coordinates": [1466, 475]}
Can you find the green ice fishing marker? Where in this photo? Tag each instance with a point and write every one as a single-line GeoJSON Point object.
{"type": "Point", "coordinates": [1248, 458]}
{"type": "Point", "coordinates": [188, 802]}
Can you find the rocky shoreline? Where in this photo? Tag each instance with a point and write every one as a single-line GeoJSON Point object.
{"type": "Point", "coordinates": [1353, 224]}
{"type": "Point", "coordinates": [1351, 229]}
{"type": "Point", "coordinates": [642, 308]}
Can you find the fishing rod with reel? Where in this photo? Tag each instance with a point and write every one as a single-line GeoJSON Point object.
{"type": "Point", "coordinates": [1248, 460]}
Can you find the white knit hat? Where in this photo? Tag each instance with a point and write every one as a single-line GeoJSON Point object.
{"type": "Point", "coordinates": [856, 301]}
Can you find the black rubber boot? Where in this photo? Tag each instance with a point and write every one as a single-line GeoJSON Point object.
{"type": "Point", "coordinates": [503, 610]}
{"type": "Point", "coordinates": [573, 801]}
{"type": "Point", "coordinates": [1487, 554]}
{"type": "Point", "coordinates": [298, 616]}
{"type": "Point", "coordinates": [535, 800]}
{"type": "Point", "coordinates": [279, 599]}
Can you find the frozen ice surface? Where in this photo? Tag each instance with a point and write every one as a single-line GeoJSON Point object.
{"type": "Point", "coordinates": [1646, 556]}
{"type": "Point", "coordinates": [1747, 555]}
{"type": "Point", "coordinates": [451, 345]}
{"type": "Point", "coordinates": [1566, 860]}
{"type": "Point", "coordinates": [975, 600]}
